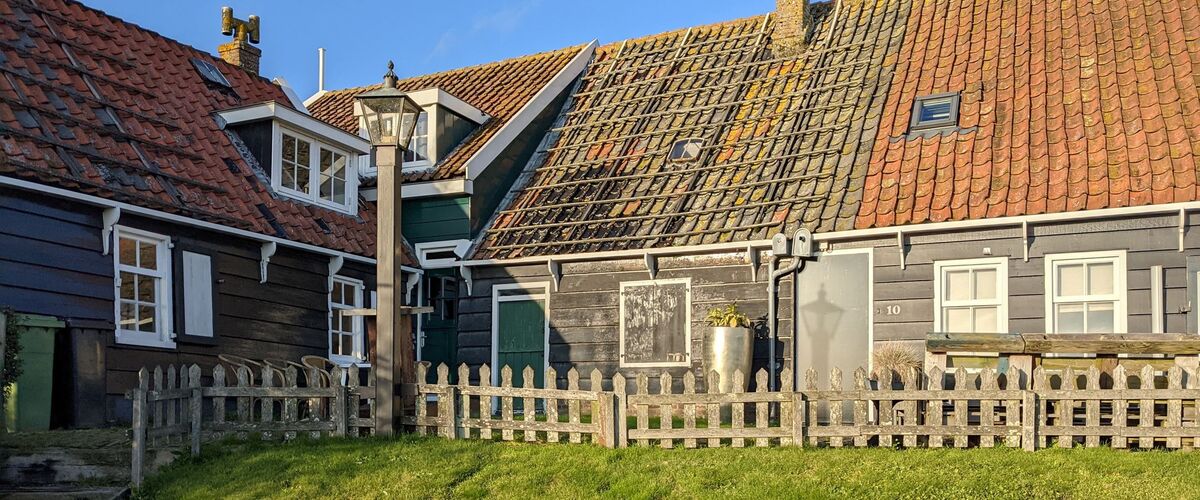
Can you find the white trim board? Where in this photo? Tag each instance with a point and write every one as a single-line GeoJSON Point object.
{"type": "Point", "coordinates": [495, 145]}
{"type": "Point", "coordinates": [861, 234]}
{"type": "Point", "coordinates": [496, 300]}
{"type": "Point", "coordinates": [273, 111]}
{"type": "Point", "coordinates": [155, 214]}
{"type": "Point", "coordinates": [433, 95]}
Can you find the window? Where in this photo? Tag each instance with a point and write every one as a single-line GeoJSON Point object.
{"type": "Point", "coordinates": [209, 72]}
{"type": "Point", "coordinates": [655, 323]}
{"type": "Point", "coordinates": [935, 111]}
{"type": "Point", "coordinates": [345, 331]}
{"type": "Point", "coordinates": [417, 154]}
{"type": "Point", "coordinates": [1085, 292]}
{"type": "Point", "coordinates": [143, 284]}
{"type": "Point", "coordinates": [971, 296]}
{"type": "Point", "coordinates": [443, 296]}
{"type": "Point", "coordinates": [685, 150]}
{"type": "Point", "coordinates": [313, 171]}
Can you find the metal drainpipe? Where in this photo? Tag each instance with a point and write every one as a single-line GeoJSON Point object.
{"type": "Point", "coordinates": [772, 313]}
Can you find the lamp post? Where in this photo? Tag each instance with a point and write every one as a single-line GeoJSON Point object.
{"type": "Point", "coordinates": [389, 116]}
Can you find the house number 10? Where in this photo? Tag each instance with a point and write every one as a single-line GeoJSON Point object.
{"type": "Point", "coordinates": [892, 310]}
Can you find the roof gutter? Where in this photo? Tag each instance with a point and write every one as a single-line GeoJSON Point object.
{"type": "Point", "coordinates": [899, 232]}
{"type": "Point", "coordinates": [155, 214]}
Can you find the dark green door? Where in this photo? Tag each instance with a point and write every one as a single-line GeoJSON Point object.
{"type": "Point", "coordinates": [522, 338]}
{"type": "Point", "coordinates": [440, 327]}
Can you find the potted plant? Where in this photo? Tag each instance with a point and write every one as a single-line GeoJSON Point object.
{"type": "Point", "coordinates": [729, 346]}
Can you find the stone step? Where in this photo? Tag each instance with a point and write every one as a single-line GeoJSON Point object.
{"type": "Point", "coordinates": [56, 466]}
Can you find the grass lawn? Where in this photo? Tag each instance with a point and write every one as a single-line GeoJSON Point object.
{"type": "Point", "coordinates": [412, 467]}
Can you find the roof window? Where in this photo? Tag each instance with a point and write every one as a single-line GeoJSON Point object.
{"type": "Point", "coordinates": [935, 111]}
{"type": "Point", "coordinates": [210, 72]}
{"type": "Point", "coordinates": [685, 150]}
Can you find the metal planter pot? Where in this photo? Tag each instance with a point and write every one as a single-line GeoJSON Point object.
{"type": "Point", "coordinates": [726, 350]}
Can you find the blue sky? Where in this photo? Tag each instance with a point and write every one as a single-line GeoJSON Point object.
{"type": "Point", "coordinates": [360, 37]}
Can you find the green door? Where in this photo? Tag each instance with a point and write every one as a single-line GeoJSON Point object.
{"type": "Point", "coordinates": [522, 339]}
{"type": "Point", "coordinates": [439, 329]}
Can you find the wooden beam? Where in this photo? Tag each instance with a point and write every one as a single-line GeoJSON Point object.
{"type": "Point", "coordinates": [1064, 343]}
{"type": "Point", "coordinates": [974, 342]}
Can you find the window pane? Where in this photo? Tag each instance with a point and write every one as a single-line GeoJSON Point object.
{"type": "Point", "coordinates": [128, 252]}
{"type": "Point", "coordinates": [289, 148]}
{"type": "Point", "coordinates": [958, 285]}
{"type": "Point", "coordinates": [145, 289]}
{"type": "Point", "coordinates": [148, 258]}
{"type": "Point", "coordinates": [336, 294]}
{"type": "Point", "coordinates": [1071, 280]}
{"type": "Point", "coordinates": [347, 345]}
{"type": "Point", "coordinates": [985, 284]}
{"type": "Point", "coordinates": [289, 177]}
{"type": "Point", "coordinates": [936, 109]}
{"type": "Point", "coordinates": [958, 320]}
{"type": "Point", "coordinates": [334, 345]}
{"type": "Point", "coordinates": [128, 282]}
{"type": "Point", "coordinates": [326, 187]}
{"type": "Point", "coordinates": [128, 316]}
{"type": "Point", "coordinates": [1100, 317]}
{"type": "Point", "coordinates": [302, 178]}
{"type": "Point", "coordinates": [985, 320]}
{"type": "Point", "coordinates": [1100, 278]}
{"type": "Point", "coordinates": [302, 154]}
{"type": "Point", "coordinates": [1069, 318]}
{"type": "Point", "coordinates": [146, 319]}
{"type": "Point", "coordinates": [347, 323]}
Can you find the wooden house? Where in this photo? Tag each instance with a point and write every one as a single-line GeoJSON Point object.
{"type": "Point", "coordinates": [169, 206]}
{"type": "Point", "coordinates": [479, 127]}
{"type": "Point", "coordinates": [965, 166]}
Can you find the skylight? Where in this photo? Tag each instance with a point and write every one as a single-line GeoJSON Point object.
{"type": "Point", "coordinates": [210, 72]}
{"type": "Point", "coordinates": [685, 150]}
{"type": "Point", "coordinates": [935, 111]}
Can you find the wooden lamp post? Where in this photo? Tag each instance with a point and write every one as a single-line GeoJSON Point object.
{"type": "Point", "coordinates": [389, 117]}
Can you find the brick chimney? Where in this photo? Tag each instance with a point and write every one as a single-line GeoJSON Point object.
{"type": "Point", "coordinates": [239, 52]}
{"type": "Point", "coordinates": [791, 27]}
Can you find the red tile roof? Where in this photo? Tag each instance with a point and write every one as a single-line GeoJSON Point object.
{"type": "Point", "coordinates": [93, 104]}
{"type": "Point", "coordinates": [1066, 105]}
{"type": "Point", "coordinates": [499, 89]}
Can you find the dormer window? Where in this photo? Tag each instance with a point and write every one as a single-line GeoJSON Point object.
{"type": "Point", "coordinates": [306, 159]}
{"type": "Point", "coordinates": [311, 170]}
{"type": "Point", "coordinates": [417, 154]}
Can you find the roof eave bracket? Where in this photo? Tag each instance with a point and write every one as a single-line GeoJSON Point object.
{"type": "Point", "coordinates": [109, 218]}
{"type": "Point", "coordinates": [265, 252]}
{"type": "Point", "coordinates": [555, 268]}
{"type": "Point", "coordinates": [900, 245]}
{"type": "Point", "coordinates": [1183, 222]}
{"type": "Point", "coordinates": [652, 265]}
{"type": "Point", "coordinates": [1025, 239]}
{"type": "Point", "coordinates": [467, 278]}
{"type": "Point", "coordinates": [752, 258]}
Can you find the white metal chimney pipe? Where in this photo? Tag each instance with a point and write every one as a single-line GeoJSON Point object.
{"type": "Point", "coordinates": [321, 69]}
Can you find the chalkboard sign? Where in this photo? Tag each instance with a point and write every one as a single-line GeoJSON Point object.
{"type": "Point", "coordinates": [656, 322]}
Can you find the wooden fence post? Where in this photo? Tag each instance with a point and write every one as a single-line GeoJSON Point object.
{"type": "Point", "coordinates": [605, 419]}
{"type": "Point", "coordinates": [337, 411]}
{"type": "Point", "coordinates": [1029, 420]}
{"type": "Point", "coordinates": [787, 409]}
{"type": "Point", "coordinates": [799, 418]}
{"type": "Point", "coordinates": [551, 382]}
{"type": "Point", "coordinates": [197, 407]}
{"type": "Point", "coordinates": [139, 427]}
{"type": "Point", "coordinates": [446, 401]}
{"type": "Point", "coordinates": [622, 424]}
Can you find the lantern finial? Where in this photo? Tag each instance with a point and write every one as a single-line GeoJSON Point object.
{"type": "Point", "coordinates": [389, 78]}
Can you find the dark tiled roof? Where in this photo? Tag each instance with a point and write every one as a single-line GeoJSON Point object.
{"type": "Point", "coordinates": [1066, 106]}
{"type": "Point", "coordinates": [786, 139]}
{"type": "Point", "coordinates": [499, 89]}
{"type": "Point", "coordinates": [93, 104]}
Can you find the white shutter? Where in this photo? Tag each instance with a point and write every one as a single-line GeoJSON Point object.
{"type": "Point", "coordinates": [197, 295]}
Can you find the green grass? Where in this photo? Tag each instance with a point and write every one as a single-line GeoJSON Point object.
{"type": "Point", "coordinates": [413, 467]}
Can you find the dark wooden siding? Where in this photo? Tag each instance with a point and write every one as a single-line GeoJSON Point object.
{"type": "Point", "coordinates": [583, 313]}
{"type": "Point", "coordinates": [584, 318]}
{"type": "Point", "coordinates": [51, 264]}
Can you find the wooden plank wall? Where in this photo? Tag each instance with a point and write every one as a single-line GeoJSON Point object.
{"type": "Point", "coordinates": [584, 331]}
{"type": "Point", "coordinates": [51, 264]}
{"type": "Point", "coordinates": [1150, 241]}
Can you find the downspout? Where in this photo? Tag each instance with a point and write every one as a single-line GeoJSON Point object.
{"type": "Point", "coordinates": [773, 313]}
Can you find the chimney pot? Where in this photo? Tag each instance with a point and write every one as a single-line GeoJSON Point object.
{"type": "Point", "coordinates": [240, 52]}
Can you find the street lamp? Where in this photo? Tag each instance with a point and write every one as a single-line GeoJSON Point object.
{"type": "Point", "coordinates": [389, 116]}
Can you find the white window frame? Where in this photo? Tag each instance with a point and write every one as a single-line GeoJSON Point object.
{"type": "Point", "coordinates": [164, 334]}
{"type": "Point", "coordinates": [687, 331]}
{"type": "Point", "coordinates": [459, 247]}
{"type": "Point", "coordinates": [359, 342]}
{"type": "Point", "coordinates": [1000, 264]}
{"type": "Point", "coordinates": [1120, 290]}
{"type": "Point", "coordinates": [430, 144]}
{"type": "Point", "coordinates": [314, 170]}
{"type": "Point", "coordinates": [543, 295]}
